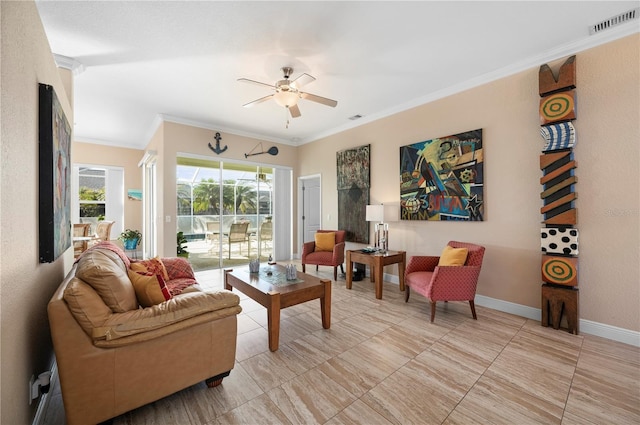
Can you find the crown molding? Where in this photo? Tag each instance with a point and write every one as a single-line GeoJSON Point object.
{"type": "Point", "coordinates": [222, 129]}
{"type": "Point", "coordinates": [75, 66]}
{"type": "Point", "coordinates": [526, 64]}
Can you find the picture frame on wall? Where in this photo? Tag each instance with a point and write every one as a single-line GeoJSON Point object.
{"type": "Point", "coordinates": [443, 179]}
{"type": "Point", "coordinates": [353, 183]}
{"type": "Point", "coordinates": [54, 148]}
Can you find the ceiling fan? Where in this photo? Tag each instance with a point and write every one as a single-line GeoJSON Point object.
{"type": "Point", "coordinates": [287, 92]}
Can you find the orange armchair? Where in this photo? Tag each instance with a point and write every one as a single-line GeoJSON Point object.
{"type": "Point", "coordinates": [445, 283]}
{"type": "Point", "coordinates": [333, 258]}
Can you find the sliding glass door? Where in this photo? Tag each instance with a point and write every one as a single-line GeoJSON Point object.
{"type": "Point", "coordinates": [225, 211]}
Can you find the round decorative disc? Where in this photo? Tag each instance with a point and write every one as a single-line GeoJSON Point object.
{"type": "Point", "coordinates": [556, 107]}
{"type": "Point", "coordinates": [559, 271]}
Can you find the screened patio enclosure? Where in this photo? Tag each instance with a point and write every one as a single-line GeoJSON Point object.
{"type": "Point", "coordinates": [225, 211]}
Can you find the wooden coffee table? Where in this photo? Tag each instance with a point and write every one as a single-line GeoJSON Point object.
{"type": "Point", "coordinates": [275, 293]}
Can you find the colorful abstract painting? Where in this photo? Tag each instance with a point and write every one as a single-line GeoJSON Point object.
{"type": "Point", "coordinates": [353, 192]}
{"type": "Point", "coordinates": [442, 179]}
{"type": "Point", "coordinates": [55, 176]}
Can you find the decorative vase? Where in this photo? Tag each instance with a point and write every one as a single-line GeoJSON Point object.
{"type": "Point", "coordinates": [254, 266]}
{"type": "Point", "coordinates": [291, 272]}
{"type": "Point", "coordinates": [130, 244]}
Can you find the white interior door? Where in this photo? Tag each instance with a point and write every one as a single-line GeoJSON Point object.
{"type": "Point", "coordinates": [309, 196]}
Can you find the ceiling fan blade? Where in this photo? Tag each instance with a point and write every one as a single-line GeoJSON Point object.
{"type": "Point", "coordinates": [255, 102]}
{"type": "Point", "coordinates": [295, 111]}
{"type": "Point", "coordinates": [246, 80]}
{"type": "Point", "coordinates": [302, 80]}
{"type": "Point", "coordinates": [319, 99]}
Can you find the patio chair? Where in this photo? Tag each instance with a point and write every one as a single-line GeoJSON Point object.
{"type": "Point", "coordinates": [238, 233]}
{"type": "Point", "coordinates": [266, 233]}
{"type": "Point", "coordinates": [213, 231]}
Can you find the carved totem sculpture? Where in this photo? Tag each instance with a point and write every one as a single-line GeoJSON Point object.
{"type": "Point", "coordinates": [559, 237]}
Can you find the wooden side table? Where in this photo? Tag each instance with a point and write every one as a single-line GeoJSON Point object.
{"type": "Point", "coordinates": [376, 262]}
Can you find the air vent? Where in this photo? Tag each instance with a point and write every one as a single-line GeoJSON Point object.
{"type": "Point", "coordinates": [614, 21]}
{"type": "Point", "coordinates": [355, 117]}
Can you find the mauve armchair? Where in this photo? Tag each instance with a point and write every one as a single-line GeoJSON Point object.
{"type": "Point", "coordinates": [333, 258]}
{"type": "Point", "coordinates": [445, 283]}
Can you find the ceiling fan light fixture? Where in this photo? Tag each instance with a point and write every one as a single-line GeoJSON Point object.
{"type": "Point", "coordinates": [286, 98]}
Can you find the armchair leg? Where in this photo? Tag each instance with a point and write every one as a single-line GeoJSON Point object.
{"type": "Point", "coordinates": [473, 309]}
{"type": "Point", "coordinates": [433, 311]}
{"type": "Point", "coordinates": [304, 268]}
{"type": "Point", "coordinates": [335, 273]}
{"type": "Point", "coordinates": [406, 293]}
{"type": "Point", "coordinates": [341, 269]}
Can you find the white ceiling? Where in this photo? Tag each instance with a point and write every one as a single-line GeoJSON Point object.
{"type": "Point", "coordinates": [150, 60]}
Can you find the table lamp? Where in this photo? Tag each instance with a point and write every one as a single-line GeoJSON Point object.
{"type": "Point", "coordinates": [380, 214]}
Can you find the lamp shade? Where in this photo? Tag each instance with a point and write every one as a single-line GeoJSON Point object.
{"type": "Point", "coordinates": [382, 213]}
{"type": "Point", "coordinates": [375, 213]}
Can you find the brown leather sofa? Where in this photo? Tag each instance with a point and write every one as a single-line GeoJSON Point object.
{"type": "Point", "coordinates": [113, 355]}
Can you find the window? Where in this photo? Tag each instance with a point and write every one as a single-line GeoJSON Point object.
{"type": "Point", "coordinates": [91, 193]}
{"type": "Point", "coordinates": [99, 196]}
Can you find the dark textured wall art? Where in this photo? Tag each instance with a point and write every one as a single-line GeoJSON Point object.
{"type": "Point", "coordinates": [442, 179]}
{"type": "Point", "coordinates": [353, 192]}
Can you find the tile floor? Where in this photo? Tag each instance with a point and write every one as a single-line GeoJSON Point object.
{"type": "Point", "coordinates": [382, 362]}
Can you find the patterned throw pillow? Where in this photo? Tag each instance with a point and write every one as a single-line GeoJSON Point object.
{"type": "Point", "coordinates": [150, 288]}
{"type": "Point", "coordinates": [453, 256]}
{"type": "Point", "coordinates": [153, 265]}
{"type": "Point", "coordinates": [325, 241]}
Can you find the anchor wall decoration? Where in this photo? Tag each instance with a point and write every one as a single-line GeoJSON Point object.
{"type": "Point", "coordinates": [217, 149]}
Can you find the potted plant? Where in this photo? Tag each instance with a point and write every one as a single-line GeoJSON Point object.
{"type": "Point", "coordinates": [130, 238]}
{"type": "Point", "coordinates": [181, 248]}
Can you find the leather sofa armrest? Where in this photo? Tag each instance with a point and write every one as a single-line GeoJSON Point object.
{"type": "Point", "coordinates": [175, 310]}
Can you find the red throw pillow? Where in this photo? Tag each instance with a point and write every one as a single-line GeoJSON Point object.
{"type": "Point", "coordinates": [153, 265]}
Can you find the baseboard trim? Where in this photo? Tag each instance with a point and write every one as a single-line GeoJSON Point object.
{"type": "Point", "coordinates": [586, 326]}
{"type": "Point", "coordinates": [509, 307]}
{"type": "Point", "coordinates": [614, 333]}
{"type": "Point", "coordinates": [610, 332]}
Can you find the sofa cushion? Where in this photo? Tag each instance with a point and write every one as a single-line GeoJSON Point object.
{"type": "Point", "coordinates": [106, 273]}
{"type": "Point", "coordinates": [85, 305]}
{"type": "Point", "coordinates": [153, 265]}
{"type": "Point", "coordinates": [453, 256]}
{"type": "Point", "coordinates": [150, 288]}
{"type": "Point", "coordinates": [325, 241]}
